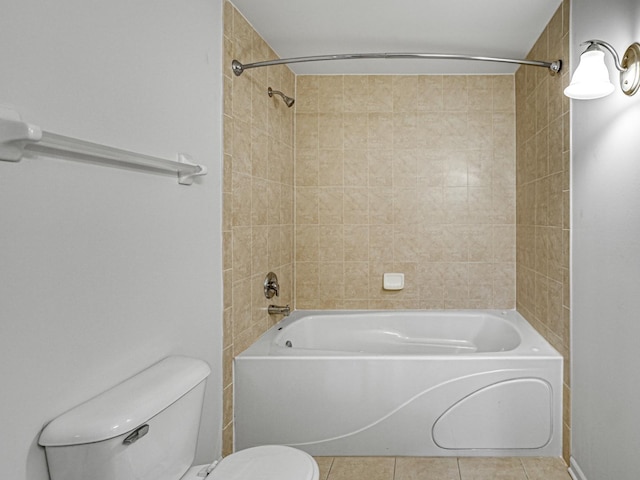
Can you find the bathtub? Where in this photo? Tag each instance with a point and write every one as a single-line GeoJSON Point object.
{"type": "Point", "coordinates": [401, 383]}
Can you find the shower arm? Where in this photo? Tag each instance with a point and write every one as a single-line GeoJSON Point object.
{"type": "Point", "coordinates": [237, 67]}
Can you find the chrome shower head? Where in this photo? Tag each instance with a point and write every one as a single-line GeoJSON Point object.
{"type": "Point", "coordinates": [288, 100]}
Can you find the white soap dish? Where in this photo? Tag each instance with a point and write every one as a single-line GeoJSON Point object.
{"type": "Point", "coordinates": [393, 281]}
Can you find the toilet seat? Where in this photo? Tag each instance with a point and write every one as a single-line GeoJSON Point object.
{"type": "Point", "coordinates": [268, 462]}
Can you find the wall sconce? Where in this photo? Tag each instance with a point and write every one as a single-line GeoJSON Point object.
{"type": "Point", "coordinates": [591, 78]}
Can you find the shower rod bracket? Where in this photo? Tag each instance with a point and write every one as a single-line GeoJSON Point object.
{"type": "Point", "coordinates": [238, 68]}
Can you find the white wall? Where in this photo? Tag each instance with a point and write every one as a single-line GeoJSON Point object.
{"type": "Point", "coordinates": [106, 270]}
{"type": "Point", "coordinates": [606, 258]}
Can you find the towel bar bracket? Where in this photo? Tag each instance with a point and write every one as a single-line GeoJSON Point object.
{"type": "Point", "coordinates": [15, 135]}
{"type": "Point", "coordinates": [186, 177]}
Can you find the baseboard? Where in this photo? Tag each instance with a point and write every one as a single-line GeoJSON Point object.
{"type": "Point", "coordinates": [574, 470]}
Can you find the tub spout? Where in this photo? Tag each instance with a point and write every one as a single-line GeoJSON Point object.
{"type": "Point", "coordinates": [278, 310]}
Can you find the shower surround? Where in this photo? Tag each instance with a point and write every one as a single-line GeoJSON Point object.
{"type": "Point", "coordinates": [415, 174]}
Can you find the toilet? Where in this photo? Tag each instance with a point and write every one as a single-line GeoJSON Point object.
{"type": "Point", "coordinates": [146, 428]}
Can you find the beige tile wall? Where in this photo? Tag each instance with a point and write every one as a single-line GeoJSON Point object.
{"type": "Point", "coordinates": [410, 174]}
{"type": "Point", "coordinates": [543, 196]}
{"type": "Point", "coordinates": [258, 194]}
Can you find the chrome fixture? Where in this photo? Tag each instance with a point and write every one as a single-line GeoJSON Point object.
{"type": "Point", "coordinates": [137, 434]}
{"type": "Point", "coordinates": [237, 67]}
{"type": "Point", "coordinates": [271, 286]}
{"type": "Point", "coordinates": [288, 100]}
{"type": "Point", "coordinates": [278, 310]}
{"type": "Point", "coordinates": [591, 78]}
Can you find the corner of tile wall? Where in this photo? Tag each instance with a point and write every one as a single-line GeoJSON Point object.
{"type": "Point", "coordinates": [542, 197]}
{"type": "Point", "coordinates": [258, 232]}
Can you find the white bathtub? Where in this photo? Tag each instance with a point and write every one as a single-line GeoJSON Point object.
{"type": "Point", "coordinates": [422, 383]}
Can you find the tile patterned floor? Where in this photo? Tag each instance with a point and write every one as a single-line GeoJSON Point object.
{"type": "Point", "coordinates": [439, 468]}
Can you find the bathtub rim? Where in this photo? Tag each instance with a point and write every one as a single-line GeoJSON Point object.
{"type": "Point", "coordinates": [264, 347]}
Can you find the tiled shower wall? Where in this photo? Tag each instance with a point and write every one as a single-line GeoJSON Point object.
{"type": "Point", "coordinates": [543, 180]}
{"type": "Point", "coordinates": [258, 195]}
{"type": "Point", "coordinates": [409, 174]}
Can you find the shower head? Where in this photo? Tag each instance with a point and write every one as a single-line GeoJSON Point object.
{"type": "Point", "coordinates": [288, 100]}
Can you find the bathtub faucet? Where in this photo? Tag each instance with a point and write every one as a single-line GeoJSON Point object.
{"type": "Point", "coordinates": [278, 310]}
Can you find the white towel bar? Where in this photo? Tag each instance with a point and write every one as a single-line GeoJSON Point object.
{"type": "Point", "coordinates": [17, 136]}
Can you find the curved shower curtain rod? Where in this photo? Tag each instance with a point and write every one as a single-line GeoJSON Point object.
{"type": "Point", "coordinates": [238, 67]}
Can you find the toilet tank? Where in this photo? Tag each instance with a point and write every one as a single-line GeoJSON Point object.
{"type": "Point", "coordinates": [145, 428]}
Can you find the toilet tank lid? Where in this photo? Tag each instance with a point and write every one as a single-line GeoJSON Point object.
{"type": "Point", "coordinates": [127, 405]}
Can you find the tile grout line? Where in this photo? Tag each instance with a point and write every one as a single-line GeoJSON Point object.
{"type": "Point", "coordinates": [458, 465]}
{"type": "Point", "coordinates": [524, 469]}
{"type": "Point", "coordinates": [333, 459]}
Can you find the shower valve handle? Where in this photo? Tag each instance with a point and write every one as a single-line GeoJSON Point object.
{"type": "Point", "coordinates": [271, 286]}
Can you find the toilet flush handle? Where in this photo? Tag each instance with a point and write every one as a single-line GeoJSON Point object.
{"type": "Point", "coordinates": [137, 434]}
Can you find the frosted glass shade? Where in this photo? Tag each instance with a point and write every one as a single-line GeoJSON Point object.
{"type": "Point", "coordinates": [591, 78]}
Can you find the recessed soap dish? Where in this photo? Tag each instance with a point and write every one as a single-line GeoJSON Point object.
{"type": "Point", "coordinates": [393, 281]}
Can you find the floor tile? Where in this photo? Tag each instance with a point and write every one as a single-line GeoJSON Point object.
{"type": "Point", "coordinates": [491, 468]}
{"type": "Point", "coordinates": [362, 468]}
{"type": "Point", "coordinates": [545, 468]}
{"type": "Point", "coordinates": [426, 468]}
{"type": "Point", "coordinates": [442, 468]}
{"type": "Point", "coordinates": [325, 466]}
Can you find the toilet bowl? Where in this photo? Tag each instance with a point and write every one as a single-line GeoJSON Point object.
{"type": "Point", "coordinates": [269, 462]}
{"type": "Point", "coordinates": [146, 429]}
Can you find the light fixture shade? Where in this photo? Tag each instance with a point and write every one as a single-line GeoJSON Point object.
{"type": "Point", "coordinates": [591, 78]}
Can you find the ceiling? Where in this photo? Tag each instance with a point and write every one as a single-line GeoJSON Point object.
{"type": "Point", "coordinates": [495, 28]}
